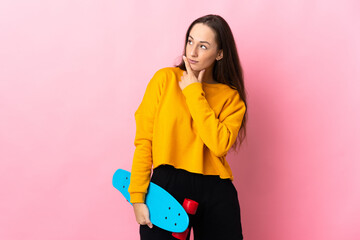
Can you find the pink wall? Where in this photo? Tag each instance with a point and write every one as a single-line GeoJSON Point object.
{"type": "Point", "coordinates": [72, 74]}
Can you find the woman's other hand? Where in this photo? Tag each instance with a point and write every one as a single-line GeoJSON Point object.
{"type": "Point", "coordinates": [142, 214]}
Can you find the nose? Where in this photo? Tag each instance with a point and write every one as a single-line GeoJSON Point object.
{"type": "Point", "coordinates": [193, 52]}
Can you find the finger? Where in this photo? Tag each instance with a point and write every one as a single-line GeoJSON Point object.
{"type": "Point", "coordinates": [149, 223]}
{"type": "Point", "coordinates": [187, 65]}
{"type": "Point", "coordinates": [201, 75]}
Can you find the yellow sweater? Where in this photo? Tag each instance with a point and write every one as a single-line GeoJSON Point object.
{"type": "Point", "coordinates": [190, 129]}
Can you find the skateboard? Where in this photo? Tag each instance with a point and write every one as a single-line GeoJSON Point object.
{"type": "Point", "coordinates": [165, 211]}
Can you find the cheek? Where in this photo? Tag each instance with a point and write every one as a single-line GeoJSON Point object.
{"type": "Point", "coordinates": [207, 60]}
{"type": "Point", "coordinates": [188, 51]}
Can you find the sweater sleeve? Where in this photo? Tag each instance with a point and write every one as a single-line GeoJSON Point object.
{"type": "Point", "coordinates": [218, 134]}
{"type": "Point", "coordinates": [142, 160]}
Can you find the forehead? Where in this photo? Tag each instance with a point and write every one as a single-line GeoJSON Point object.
{"type": "Point", "coordinates": [202, 32]}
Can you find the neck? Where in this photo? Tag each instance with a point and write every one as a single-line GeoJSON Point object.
{"type": "Point", "coordinates": [208, 78]}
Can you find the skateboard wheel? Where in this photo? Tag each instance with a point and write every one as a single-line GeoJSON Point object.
{"type": "Point", "coordinates": [190, 206]}
{"type": "Point", "coordinates": [182, 235]}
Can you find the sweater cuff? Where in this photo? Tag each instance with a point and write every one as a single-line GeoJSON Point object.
{"type": "Point", "coordinates": [137, 197]}
{"type": "Point", "coordinates": [193, 89]}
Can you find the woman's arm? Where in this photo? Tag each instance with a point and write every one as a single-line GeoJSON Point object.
{"type": "Point", "coordinates": [142, 160]}
{"type": "Point", "coordinates": [218, 134]}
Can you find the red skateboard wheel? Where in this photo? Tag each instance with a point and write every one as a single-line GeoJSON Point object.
{"type": "Point", "coordinates": [182, 235]}
{"type": "Point", "coordinates": [190, 206]}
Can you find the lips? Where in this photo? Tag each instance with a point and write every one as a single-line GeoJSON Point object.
{"type": "Point", "coordinates": [192, 61]}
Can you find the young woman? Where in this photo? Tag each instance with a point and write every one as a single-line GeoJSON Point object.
{"type": "Point", "coordinates": [189, 118]}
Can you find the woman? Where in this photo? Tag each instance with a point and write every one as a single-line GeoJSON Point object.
{"type": "Point", "coordinates": [189, 118]}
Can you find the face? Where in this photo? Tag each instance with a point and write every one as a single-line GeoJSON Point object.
{"type": "Point", "coordinates": [202, 48]}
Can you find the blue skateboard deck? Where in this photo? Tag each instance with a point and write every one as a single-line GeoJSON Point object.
{"type": "Point", "coordinates": [165, 211]}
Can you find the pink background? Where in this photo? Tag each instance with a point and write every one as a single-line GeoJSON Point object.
{"type": "Point", "coordinates": [72, 74]}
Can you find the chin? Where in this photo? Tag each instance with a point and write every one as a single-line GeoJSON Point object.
{"type": "Point", "coordinates": [196, 68]}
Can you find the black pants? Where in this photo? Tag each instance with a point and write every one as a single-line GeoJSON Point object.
{"type": "Point", "coordinates": [218, 214]}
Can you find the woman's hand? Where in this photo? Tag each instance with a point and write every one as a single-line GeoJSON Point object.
{"type": "Point", "coordinates": [189, 76]}
{"type": "Point", "coordinates": [142, 214]}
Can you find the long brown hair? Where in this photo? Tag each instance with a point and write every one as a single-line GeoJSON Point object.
{"type": "Point", "coordinates": [227, 70]}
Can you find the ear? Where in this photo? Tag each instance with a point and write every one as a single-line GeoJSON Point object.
{"type": "Point", "coordinates": [220, 55]}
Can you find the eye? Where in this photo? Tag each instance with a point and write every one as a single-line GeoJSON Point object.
{"type": "Point", "coordinates": [189, 41]}
{"type": "Point", "coordinates": [204, 46]}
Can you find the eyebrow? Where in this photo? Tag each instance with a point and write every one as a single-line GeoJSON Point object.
{"type": "Point", "coordinates": [200, 41]}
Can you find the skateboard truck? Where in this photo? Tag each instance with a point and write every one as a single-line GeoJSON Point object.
{"type": "Point", "coordinates": [190, 207]}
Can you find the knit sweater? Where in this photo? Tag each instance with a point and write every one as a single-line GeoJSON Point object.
{"type": "Point", "coordinates": [190, 129]}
